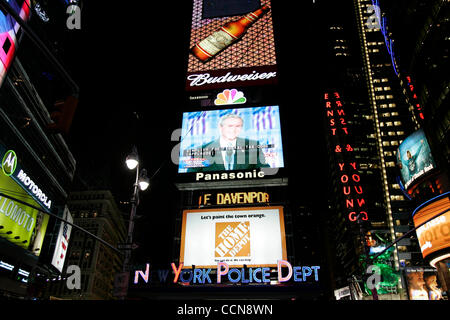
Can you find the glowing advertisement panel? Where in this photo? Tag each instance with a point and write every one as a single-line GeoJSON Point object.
{"type": "Point", "coordinates": [434, 235]}
{"type": "Point", "coordinates": [232, 139]}
{"type": "Point", "coordinates": [62, 242]}
{"type": "Point", "coordinates": [414, 158]}
{"type": "Point", "coordinates": [251, 236]}
{"type": "Point", "coordinates": [423, 284]}
{"type": "Point", "coordinates": [232, 44]}
{"type": "Point", "coordinates": [21, 224]}
{"type": "Point", "coordinates": [8, 34]}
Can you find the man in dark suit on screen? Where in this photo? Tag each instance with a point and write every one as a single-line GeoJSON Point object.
{"type": "Point", "coordinates": [230, 152]}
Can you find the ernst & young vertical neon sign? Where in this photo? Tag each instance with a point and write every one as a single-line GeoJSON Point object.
{"type": "Point", "coordinates": [349, 178]}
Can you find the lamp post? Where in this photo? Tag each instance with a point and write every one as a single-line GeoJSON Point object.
{"type": "Point", "coordinates": [141, 183]}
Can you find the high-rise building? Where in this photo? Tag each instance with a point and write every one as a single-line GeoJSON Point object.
{"type": "Point", "coordinates": [372, 116]}
{"type": "Point", "coordinates": [37, 164]}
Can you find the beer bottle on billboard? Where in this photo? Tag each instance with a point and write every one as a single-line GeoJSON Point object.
{"type": "Point", "coordinates": [226, 35]}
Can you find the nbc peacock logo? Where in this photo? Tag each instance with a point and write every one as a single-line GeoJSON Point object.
{"type": "Point", "coordinates": [232, 239]}
{"type": "Point", "coordinates": [232, 96]}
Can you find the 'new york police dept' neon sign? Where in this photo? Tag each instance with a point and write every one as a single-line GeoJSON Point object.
{"type": "Point", "coordinates": [235, 275]}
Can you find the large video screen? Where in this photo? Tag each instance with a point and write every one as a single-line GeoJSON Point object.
{"type": "Point", "coordinates": [423, 283]}
{"type": "Point", "coordinates": [231, 139]}
{"type": "Point", "coordinates": [251, 236]}
{"type": "Point", "coordinates": [232, 44]}
{"type": "Point", "coordinates": [8, 34]}
{"type": "Point", "coordinates": [433, 236]}
{"type": "Point", "coordinates": [414, 158]}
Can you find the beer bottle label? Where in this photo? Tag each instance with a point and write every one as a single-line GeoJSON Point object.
{"type": "Point", "coordinates": [215, 42]}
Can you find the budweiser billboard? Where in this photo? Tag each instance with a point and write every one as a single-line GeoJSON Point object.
{"type": "Point", "coordinates": [232, 44]}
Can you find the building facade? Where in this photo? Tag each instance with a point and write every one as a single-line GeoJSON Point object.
{"type": "Point", "coordinates": [37, 165]}
{"type": "Point", "coordinates": [365, 78]}
{"type": "Point", "coordinates": [96, 212]}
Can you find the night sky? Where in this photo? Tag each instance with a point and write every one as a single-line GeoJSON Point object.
{"type": "Point", "coordinates": [130, 64]}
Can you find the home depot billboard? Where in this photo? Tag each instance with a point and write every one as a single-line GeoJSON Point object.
{"type": "Point", "coordinates": [237, 236]}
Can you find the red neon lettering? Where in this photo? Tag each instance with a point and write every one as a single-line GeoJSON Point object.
{"type": "Point", "coordinates": [345, 130]}
{"type": "Point", "coordinates": [341, 166]}
{"type": "Point", "coordinates": [365, 217]}
{"type": "Point", "coordinates": [331, 122]}
{"type": "Point", "coordinates": [349, 203]}
{"type": "Point", "coordinates": [349, 148]}
{"type": "Point", "coordinates": [361, 202]}
{"type": "Point", "coordinates": [337, 149]}
{"type": "Point", "coordinates": [176, 271]}
{"type": "Point", "coordinates": [341, 112]}
{"type": "Point", "coordinates": [326, 96]}
{"type": "Point", "coordinates": [338, 103]}
{"type": "Point", "coordinates": [342, 121]}
{"type": "Point", "coordinates": [334, 131]}
{"type": "Point", "coordinates": [360, 189]}
{"type": "Point", "coordinates": [329, 113]}
{"type": "Point", "coordinates": [344, 177]}
{"type": "Point", "coordinates": [353, 164]}
{"type": "Point", "coordinates": [346, 190]}
{"type": "Point", "coordinates": [356, 177]}
{"type": "Point", "coordinates": [336, 95]}
{"type": "Point", "coordinates": [352, 216]}
{"type": "Point", "coordinates": [328, 104]}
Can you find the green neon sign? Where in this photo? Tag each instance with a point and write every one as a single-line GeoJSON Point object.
{"type": "Point", "coordinates": [9, 162]}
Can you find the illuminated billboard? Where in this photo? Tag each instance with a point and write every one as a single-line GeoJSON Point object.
{"type": "Point", "coordinates": [232, 139]}
{"type": "Point", "coordinates": [62, 242]}
{"type": "Point", "coordinates": [8, 34]}
{"type": "Point", "coordinates": [433, 217]}
{"type": "Point", "coordinates": [20, 224]}
{"type": "Point", "coordinates": [232, 44]}
{"type": "Point", "coordinates": [423, 284]}
{"type": "Point", "coordinates": [414, 158]}
{"type": "Point", "coordinates": [251, 236]}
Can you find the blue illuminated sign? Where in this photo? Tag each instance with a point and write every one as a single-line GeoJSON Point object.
{"type": "Point", "coordinates": [389, 42]}
{"type": "Point", "coordinates": [233, 275]}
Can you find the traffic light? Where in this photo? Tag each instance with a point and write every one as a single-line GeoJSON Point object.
{"type": "Point", "coordinates": [63, 115]}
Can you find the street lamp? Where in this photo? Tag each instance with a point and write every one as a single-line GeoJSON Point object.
{"type": "Point", "coordinates": [141, 183]}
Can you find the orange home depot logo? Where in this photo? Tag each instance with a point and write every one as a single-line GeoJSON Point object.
{"type": "Point", "coordinates": [232, 239]}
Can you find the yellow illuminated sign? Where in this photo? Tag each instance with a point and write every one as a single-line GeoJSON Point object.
{"type": "Point", "coordinates": [234, 198]}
